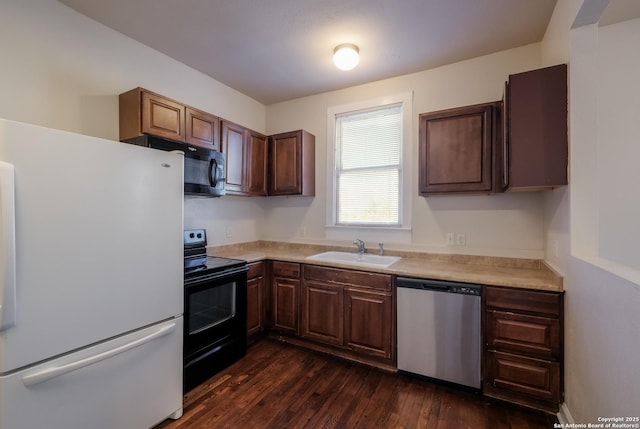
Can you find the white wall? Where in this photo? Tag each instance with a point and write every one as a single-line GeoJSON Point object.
{"type": "Point", "coordinates": [63, 70]}
{"type": "Point", "coordinates": [602, 330]}
{"type": "Point", "coordinates": [509, 224]}
{"type": "Point", "coordinates": [619, 142]}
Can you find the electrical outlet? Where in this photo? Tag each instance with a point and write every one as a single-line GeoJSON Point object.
{"type": "Point", "coordinates": [229, 234]}
{"type": "Point", "coordinates": [450, 239]}
{"type": "Point", "coordinates": [461, 239]}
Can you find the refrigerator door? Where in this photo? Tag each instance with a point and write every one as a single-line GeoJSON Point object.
{"type": "Point", "coordinates": [98, 241]}
{"type": "Point", "coordinates": [133, 381]}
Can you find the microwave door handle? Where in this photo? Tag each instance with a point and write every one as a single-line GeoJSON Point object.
{"type": "Point", "coordinates": [213, 172]}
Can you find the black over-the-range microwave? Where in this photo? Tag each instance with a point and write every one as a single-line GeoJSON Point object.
{"type": "Point", "coordinates": [204, 169]}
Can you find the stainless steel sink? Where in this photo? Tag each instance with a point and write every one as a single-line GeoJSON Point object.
{"type": "Point", "coordinates": [356, 258]}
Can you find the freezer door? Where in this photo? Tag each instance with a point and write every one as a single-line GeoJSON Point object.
{"type": "Point", "coordinates": [98, 241]}
{"type": "Point", "coordinates": [134, 381]}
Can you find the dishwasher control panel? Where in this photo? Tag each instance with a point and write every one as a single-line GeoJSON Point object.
{"type": "Point", "coordinates": [439, 285]}
{"type": "Point", "coordinates": [465, 290]}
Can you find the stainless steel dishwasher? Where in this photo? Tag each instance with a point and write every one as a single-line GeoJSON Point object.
{"type": "Point", "coordinates": [439, 332]}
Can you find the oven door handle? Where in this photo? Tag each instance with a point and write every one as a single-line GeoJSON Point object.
{"type": "Point", "coordinates": [198, 280]}
{"type": "Point", "coordinates": [57, 371]}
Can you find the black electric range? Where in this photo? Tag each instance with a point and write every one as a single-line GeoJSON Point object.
{"type": "Point", "coordinates": [215, 310]}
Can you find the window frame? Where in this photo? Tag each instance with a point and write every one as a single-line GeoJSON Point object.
{"type": "Point", "coordinates": [400, 232]}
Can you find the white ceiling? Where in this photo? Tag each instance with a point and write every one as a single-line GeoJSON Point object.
{"type": "Point", "coordinates": [276, 50]}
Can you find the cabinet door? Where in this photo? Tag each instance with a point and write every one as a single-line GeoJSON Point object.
{"type": "Point", "coordinates": [455, 150]}
{"type": "Point", "coordinates": [162, 117]}
{"type": "Point", "coordinates": [202, 129]}
{"type": "Point", "coordinates": [257, 164]}
{"type": "Point", "coordinates": [292, 164]}
{"type": "Point", "coordinates": [254, 305]}
{"type": "Point", "coordinates": [285, 302]}
{"type": "Point", "coordinates": [234, 149]}
{"type": "Point", "coordinates": [537, 142]}
{"type": "Point", "coordinates": [322, 312]}
{"type": "Point", "coordinates": [285, 164]}
{"type": "Point", "coordinates": [369, 322]}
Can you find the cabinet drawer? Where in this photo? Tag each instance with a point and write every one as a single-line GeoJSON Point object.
{"type": "Point", "coordinates": [286, 269]}
{"type": "Point", "coordinates": [533, 335]}
{"type": "Point", "coordinates": [546, 303]}
{"type": "Point", "coordinates": [256, 269]}
{"type": "Point", "coordinates": [535, 378]}
{"type": "Point", "coordinates": [348, 277]}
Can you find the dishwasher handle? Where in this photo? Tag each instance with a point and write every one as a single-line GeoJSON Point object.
{"type": "Point", "coordinates": [439, 285]}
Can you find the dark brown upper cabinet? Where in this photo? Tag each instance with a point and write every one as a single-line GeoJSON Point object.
{"type": "Point", "coordinates": [202, 129]}
{"type": "Point", "coordinates": [292, 163]}
{"type": "Point", "coordinates": [257, 153]}
{"type": "Point", "coordinates": [246, 160]}
{"type": "Point", "coordinates": [458, 150]}
{"type": "Point", "coordinates": [145, 112]}
{"type": "Point", "coordinates": [536, 141]}
{"type": "Point", "coordinates": [234, 147]}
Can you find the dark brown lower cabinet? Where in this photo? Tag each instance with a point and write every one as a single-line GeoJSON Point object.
{"type": "Point", "coordinates": [523, 347]}
{"type": "Point", "coordinates": [256, 301]}
{"type": "Point", "coordinates": [322, 315]}
{"type": "Point", "coordinates": [536, 380]}
{"type": "Point", "coordinates": [352, 310]}
{"type": "Point", "coordinates": [368, 322]}
{"type": "Point", "coordinates": [286, 290]}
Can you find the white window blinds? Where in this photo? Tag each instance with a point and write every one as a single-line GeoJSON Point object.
{"type": "Point", "coordinates": [368, 166]}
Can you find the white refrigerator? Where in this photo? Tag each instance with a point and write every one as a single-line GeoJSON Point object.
{"type": "Point", "coordinates": [91, 281]}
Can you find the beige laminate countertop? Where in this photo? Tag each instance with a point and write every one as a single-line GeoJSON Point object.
{"type": "Point", "coordinates": [486, 270]}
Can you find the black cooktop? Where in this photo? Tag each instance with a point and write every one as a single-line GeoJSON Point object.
{"type": "Point", "coordinates": [196, 261]}
{"type": "Point", "coordinates": [200, 265]}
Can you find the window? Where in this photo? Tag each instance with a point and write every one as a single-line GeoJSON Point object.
{"type": "Point", "coordinates": [368, 167]}
{"type": "Point", "coordinates": [368, 156]}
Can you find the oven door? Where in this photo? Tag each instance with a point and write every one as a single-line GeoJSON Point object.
{"type": "Point", "coordinates": [215, 311]}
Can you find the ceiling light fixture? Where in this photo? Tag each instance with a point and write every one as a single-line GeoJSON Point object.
{"type": "Point", "coordinates": [346, 56]}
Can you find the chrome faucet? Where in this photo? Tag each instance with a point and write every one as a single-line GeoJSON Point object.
{"type": "Point", "coordinates": [360, 245]}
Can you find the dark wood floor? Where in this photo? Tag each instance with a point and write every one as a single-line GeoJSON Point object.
{"type": "Point", "coordinates": [283, 386]}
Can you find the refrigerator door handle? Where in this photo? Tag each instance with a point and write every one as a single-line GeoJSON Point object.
{"type": "Point", "coordinates": [57, 371]}
{"type": "Point", "coordinates": [7, 247]}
